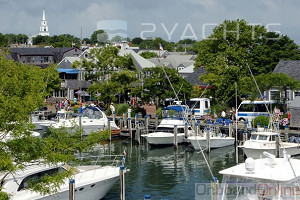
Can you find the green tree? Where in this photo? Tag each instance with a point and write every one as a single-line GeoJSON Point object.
{"type": "Point", "coordinates": [137, 40]}
{"type": "Point", "coordinates": [23, 89]}
{"type": "Point", "coordinates": [232, 48]}
{"type": "Point", "coordinates": [117, 38]}
{"type": "Point", "coordinates": [148, 54]}
{"type": "Point", "coordinates": [157, 87]}
{"type": "Point", "coordinates": [3, 41]}
{"type": "Point", "coordinates": [99, 36]}
{"type": "Point", "coordinates": [110, 73]}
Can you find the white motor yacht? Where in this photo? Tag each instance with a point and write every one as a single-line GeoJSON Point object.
{"type": "Point", "coordinates": [91, 182]}
{"type": "Point", "coordinates": [266, 178]}
{"type": "Point", "coordinates": [265, 141]}
{"type": "Point", "coordinates": [91, 119]}
{"type": "Point", "coordinates": [173, 115]}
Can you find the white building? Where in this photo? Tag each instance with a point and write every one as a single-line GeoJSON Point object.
{"type": "Point", "coordinates": [44, 27]}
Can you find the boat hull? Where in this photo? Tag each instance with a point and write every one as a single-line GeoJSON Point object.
{"type": "Point", "coordinates": [215, 142]}
{"type": "Point", "coordinates": [163, 138]}
{"type": "Point", "coordinates": [91, 188]}
{"type": "Point", "coordinates": [256, 153]}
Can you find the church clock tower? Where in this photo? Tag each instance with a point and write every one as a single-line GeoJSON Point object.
{"type": "Point", "coordinates": [44, 27]}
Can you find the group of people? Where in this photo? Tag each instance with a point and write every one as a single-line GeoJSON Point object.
{"type": "Point", "coordinates": [62, 105]}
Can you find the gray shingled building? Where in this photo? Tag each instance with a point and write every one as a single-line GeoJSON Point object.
{"type": "Point", "coordinates": [294, 109]}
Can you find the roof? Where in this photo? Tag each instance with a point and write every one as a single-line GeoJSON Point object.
{"type": "Point", "coordinates": [174, 61]}
{"type": "Point", "coordinates": [57, 53]}
{"type": "Point", "coordinates": [67, 62]}
{"type": "Point", "coordinates": [193, 78]}
{"type": "Point", "coordinates": [139, 61]}
{"type": "Point", "coordinates": [289, 67]}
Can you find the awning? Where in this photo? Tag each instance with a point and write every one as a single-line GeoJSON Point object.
{"type": "Point", "coordinates": [68, 71]}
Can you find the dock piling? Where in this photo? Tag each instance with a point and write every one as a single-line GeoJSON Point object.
{"type": "Point", "coordinates": [208, 140]}
{"type": "Point", "coordinates": [114, 116]}
{"type": "Point", "coordinates": [72, 189]}
{"type": "Point", "coordinates": [186, 130]}
{"type": "Point", "coordinates": [156, 121]}
{"type": "Point", "coordinates": [214, 188]}
{"type": "Point", "coordinates": [108, 128]}
{"type": "Point", "coordinates": [137, 133]}
{"type": "Point", "coordinates": [230, 129]}
{"type": "Point", "coordinates": [122, 183]}
{"type": "Point", "coordinates": [175, 137]}
{"type": "Point", "coordinates": [130, 127]}
{"type": "Point", "coordinates": [277, 146]}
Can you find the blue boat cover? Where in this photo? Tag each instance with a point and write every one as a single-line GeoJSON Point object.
{"type": "Point", "coordinates": [176, 108]}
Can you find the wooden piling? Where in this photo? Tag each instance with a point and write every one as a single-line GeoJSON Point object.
{"type": "Point", "coordinates": [208, 140]}
{"type": "Point", "coordinates": [122, 183]}
{"type": "Point", "coordinates": [72, 189]}
{"type": "Point", "coordinates": [175, 137]}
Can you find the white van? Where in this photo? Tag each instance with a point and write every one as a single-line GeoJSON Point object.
{"type": "Point", "coordinates": [248, 110]}
{"type": "Point", "coordinates": [199, 107]}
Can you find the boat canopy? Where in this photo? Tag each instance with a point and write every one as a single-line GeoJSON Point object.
{"type": "Point", "coordinates": [176, 108]}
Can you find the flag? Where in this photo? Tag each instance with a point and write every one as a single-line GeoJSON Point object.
{"type": "Point", "coordinates": [160, 47]}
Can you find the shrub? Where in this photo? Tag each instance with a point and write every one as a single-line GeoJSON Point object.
{"type": "Point", "coordinates": [138, 110]}
{"type": "Point", "coordinates": [263, 120]}
{"type": "Point", "coordinates": [158, 113]}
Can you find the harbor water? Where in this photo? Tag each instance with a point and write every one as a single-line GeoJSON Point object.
{"type": "Point", "coordinates": [166, 173]}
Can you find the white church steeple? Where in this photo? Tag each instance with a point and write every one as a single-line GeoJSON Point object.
{"type": "Point", "coordinates": [44, 27]}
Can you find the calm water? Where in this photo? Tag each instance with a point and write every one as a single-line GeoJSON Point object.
{"type": "Point", "coordinates": [165, 173]}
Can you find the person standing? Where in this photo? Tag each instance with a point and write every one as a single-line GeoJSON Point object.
{"type": "Point", "coordinates": [66, 104]}
{"type": "Point", "coordinates": [112, 108]}
{"type": "Point", "coordinates": [223, 115]}
{"type": "Point", "coordinates": [75, 101]}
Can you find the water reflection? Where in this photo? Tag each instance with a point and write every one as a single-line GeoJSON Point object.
{"type": "Point", "coordinates": [165, 172]}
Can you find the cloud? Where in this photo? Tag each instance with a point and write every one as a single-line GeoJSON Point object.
{"type": "Point", "coordinates": [69, 16]}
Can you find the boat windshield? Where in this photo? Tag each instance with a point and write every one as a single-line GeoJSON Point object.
{"type": "Point", "coordinates": [169, 130]}
{"type": "Point", "coordinates": [174, 112]}
{"type": "Point", "coordinates": [34, 178]}
{"type": "Point", "coordinates": [262, 137]}
{"type": "Point", "coordinates": [253, 137]}
{"type": "Point", "coordinates": [92, 114]}
{"type": "Point", "coordinates": [249, 188]}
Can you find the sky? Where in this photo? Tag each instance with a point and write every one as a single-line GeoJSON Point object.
{"type": "Point", "coordinates": [171, 20]}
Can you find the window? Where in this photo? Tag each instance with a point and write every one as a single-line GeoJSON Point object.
{"type": "Point", "coordinates": [253, 137]}
{"type": "Point", "coordinates": [46, 59]}
{"type": "Point", "coordinates": [262, 137]}
{"type": "Point", "coordinates": [35, 177]}
{"type": "Point", "coordinates": [206, 104]}
{"type": "Point", "coordinates": [28, 59]}
{"type": "Point", "coordinates": [274, 95]}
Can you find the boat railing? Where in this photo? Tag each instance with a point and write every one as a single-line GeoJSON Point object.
{"type": "Point", "coordinates": [113, 160]}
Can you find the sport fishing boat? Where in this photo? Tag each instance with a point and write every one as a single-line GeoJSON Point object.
{"type": "Point", "coordinates": [173, 115]}
{"type": "Point", "coordinates": [91, 182]}
{"type": "Point", "coordinates": [266, 178]}
{"type": "Point", "coordinates": [265, 141]}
